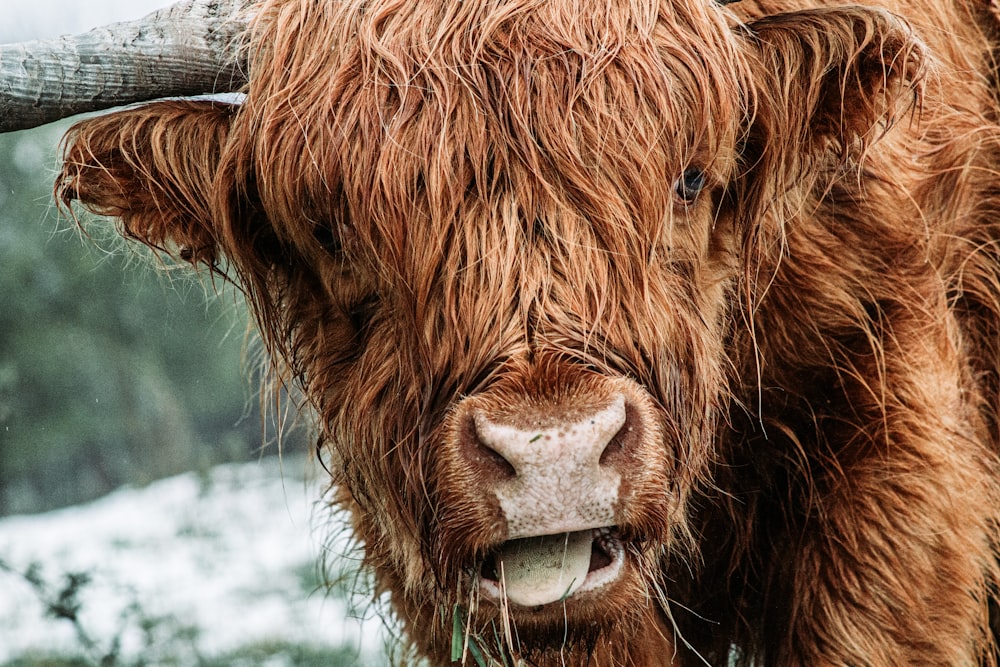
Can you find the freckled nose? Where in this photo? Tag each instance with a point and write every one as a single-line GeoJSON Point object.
{"type": "Point", "coordinates": [559, 477]}
{"type": "Point", "coordinates": [574, 447]}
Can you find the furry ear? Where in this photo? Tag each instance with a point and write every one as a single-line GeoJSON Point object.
{"type": "Point", "coordinates": [153, 167]}
{"type": "Point", "coordinates": [829, 82]}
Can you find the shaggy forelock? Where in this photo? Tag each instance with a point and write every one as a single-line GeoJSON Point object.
{"type": "Point", "coordinates": [436, 141]}
{"type": "Point", "coordinates": [414, 117]}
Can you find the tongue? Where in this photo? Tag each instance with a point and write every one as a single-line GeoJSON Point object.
{"type": "Point", "coordinates": [540, 570]}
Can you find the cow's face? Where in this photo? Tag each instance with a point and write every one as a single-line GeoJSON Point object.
{"type": "Point", "coordinates": [503, 249]}
{"type": "Point", "coordinates": [513, 256]}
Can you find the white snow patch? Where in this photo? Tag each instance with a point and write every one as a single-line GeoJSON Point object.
{"type": "Point", "coordinates": [225, 554]}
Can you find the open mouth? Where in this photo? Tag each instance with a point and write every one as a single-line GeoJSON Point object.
{"type": "Point", "coordinates": [535, 571]}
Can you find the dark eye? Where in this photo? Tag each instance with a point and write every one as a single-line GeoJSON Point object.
{"type": "Point", "coordinates": [689, 185]}
{"type": "Point", "coordinates": [327, 238]}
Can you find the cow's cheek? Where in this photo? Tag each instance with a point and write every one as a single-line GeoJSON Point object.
{"type": "Point", "coordinates": [391, 551]}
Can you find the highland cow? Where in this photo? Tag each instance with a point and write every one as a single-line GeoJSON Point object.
{"type": "Point", "coordinates": [638, 333]}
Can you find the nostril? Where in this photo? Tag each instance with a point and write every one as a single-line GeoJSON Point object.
{"type": "Point", "coordinates": [493, 459]}
{"type": "Point", "coordinates": [620, 443]}
{"type": "Point", "coordinates": [488, 459]}
{"type": "Point", "coordinates": [612, 451]}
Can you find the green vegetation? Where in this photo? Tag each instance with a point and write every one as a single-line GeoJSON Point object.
{"type": "Point", "coordinates": [114, 368]}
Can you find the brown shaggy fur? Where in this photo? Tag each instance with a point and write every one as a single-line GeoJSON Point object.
{"type": "Point", "coordinates": [431, 202]}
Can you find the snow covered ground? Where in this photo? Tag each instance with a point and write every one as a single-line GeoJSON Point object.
{"type": "Point", "coordinates": [192, 566]}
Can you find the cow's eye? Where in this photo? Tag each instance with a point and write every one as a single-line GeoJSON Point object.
{"type": "Point", "coordinates": [334, 238]}
{"type": "Point", "coordinates": [326, 237]}
{"type": "Point", "coordinates": [689, 185]}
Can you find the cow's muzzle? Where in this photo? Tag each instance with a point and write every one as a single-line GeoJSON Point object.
{"type": "Point", "coordinates": [558, 476]}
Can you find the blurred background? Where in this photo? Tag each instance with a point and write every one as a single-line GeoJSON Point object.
{"type": "Point", "coordinates": [113, 369]}
{"type": "Point", "coordinates": [117, 371]}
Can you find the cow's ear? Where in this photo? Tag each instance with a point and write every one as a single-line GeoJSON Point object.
{"type": "Point", "coordinates": [153, 168]}
{"type": "Point", "coordinates": [830, 81]}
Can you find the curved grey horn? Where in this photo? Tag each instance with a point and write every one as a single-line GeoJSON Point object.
{"type": "Point", "coordinates": [190, 48]}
